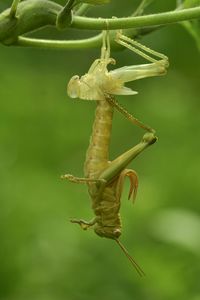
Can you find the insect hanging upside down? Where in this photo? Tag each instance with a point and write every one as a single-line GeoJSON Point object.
{"type": "Point", "coordinates": [105, 179]}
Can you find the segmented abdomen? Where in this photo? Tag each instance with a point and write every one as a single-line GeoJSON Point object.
{"type": "Point", "coordinates": [98, 151]}
{"type": "Point", "coordinates": [108, 221]}
{"type": "Point", "coordinates": [106, 207]}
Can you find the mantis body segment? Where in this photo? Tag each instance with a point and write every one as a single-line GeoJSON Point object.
{"type": "Point", "coordinates": [105, 179]}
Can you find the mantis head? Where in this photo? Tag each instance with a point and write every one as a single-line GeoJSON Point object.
{"type": "Point", "coordinates": [108, 232]}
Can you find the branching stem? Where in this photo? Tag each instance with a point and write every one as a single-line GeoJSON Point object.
{"type": "Point", "coordinates": [33, 15]}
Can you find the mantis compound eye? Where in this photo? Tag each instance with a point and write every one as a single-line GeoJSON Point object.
{"type": "Point", "coordinates": [117, 233]}
{"type": "Point", "coordinates": [73, 87]}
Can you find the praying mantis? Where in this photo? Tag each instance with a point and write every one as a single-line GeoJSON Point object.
{"type": "Point", "coordinates": [105, 179]}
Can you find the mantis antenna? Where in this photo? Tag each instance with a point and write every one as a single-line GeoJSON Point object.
{"type": "Point", "coordinates": [130, 258]}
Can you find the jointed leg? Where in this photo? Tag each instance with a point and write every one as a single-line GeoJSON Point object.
{"type": "Point", "coordinates": [105, 49]}
{"type": "Point", "coordinates": [84, 224]}
{"type": "Point", "coordinates": [105, 58]}
{"type": "Point", "coordinates": [127, 115]}
{"type": "Point", "coordinates": [132, 44]}
{"type": "Point", "coordinates": [100, 183]}
{"type": "Point", "coordinates": [107, 54]}
{"type": "Point", "coordinates": [121, 162]}
{"type": "Point", "coordinates": [94, 65]}
{"type": "Point", "coordinates": [82, 180]}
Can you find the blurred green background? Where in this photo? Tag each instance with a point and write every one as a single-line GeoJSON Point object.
{"type": "Point", "coordinates": [44, 134]}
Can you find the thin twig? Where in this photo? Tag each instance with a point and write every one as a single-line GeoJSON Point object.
{"type": "Point", "coordinates": [56, 44]}
{"type": "Point", "coordinates": [135, 22]}
{"type": "Point", "coordinates": [82, 9]}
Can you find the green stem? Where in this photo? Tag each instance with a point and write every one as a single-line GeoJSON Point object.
{"type": "Point", "coordinates": [64, 17]}
{"type": "Point", "coordinates": [82, 9]}
{"type": "Point", "coordinates": [193, 32]}
{"type": "Point", "coordinates": [54, 44]}
{"type": "Point", "coordinates": [33, 15]}
{"type": "Point", "coordinates": [14, 8]}
{"type": "Point", "coordinates": [140, 9]}
{"type": "Point", "coordinates": [135, 22]}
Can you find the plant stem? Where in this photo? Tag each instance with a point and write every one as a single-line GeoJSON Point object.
{"type": "Point", "coordinates": [135, 22]}
{"type": "Point", "coordinates": [54, 44]}
{"type": "Point", "coordinates": [64, 17]}
{"type": "Point", "coordinates": [140, 9]}
{"type": "Point", "coordinates": [33, 15]}
{"type": "Point", "coordinates": [14, 8]}
{"type": "Point", "coordinates": [82, 9]}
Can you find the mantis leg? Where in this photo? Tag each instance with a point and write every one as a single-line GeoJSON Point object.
{"type": "Point", "coordinates": [105, 49]}
{"type": "Point", "coordinates": [103, 63]}
{"type": "Point", "coordinates": [136, 46]}
{"type": "Point", "coordinates": [121, 162]}
{"type": "Point", "coordinates": [127, 115]}
{"type": "Point", "coordinates": [105, 58]}
{"type": "Point", "coordinates": [105, 53]}
{"type": "Point", "coordinates": [100, 182]}
{"type": "Point", "coordinates": [75, 179]}
{"type": "Point", "coordinates": [84, 224]}
{"type": "Point", "coordinates": [94, 65]}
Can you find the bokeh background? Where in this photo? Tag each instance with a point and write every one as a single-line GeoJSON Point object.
{"type": "Point", "coordinates": [44, 134]}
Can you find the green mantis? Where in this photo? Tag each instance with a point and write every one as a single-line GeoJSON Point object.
{"type": "Point", "coordinates": [105, 179]}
